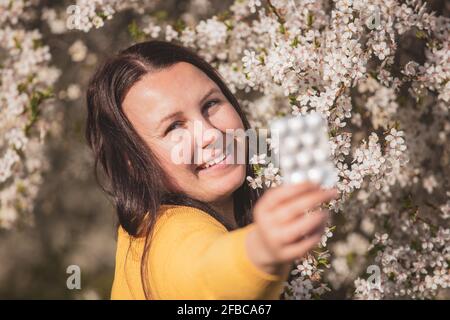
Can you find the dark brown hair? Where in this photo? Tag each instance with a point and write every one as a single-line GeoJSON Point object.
{"type": "Point", "coordinates": [135, 178]}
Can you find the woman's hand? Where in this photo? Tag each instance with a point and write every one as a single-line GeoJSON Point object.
{"type": "Point", "coordinates": [284, 231]}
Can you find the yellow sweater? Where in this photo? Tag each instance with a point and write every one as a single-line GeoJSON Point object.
{"type": "Point", "coordinates": [192, 256]}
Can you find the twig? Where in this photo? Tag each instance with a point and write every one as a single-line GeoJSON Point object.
{"type": "Point", "coordinates": [275, 11]}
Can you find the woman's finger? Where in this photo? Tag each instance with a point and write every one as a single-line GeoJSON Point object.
{"type": "Point", "coordinates": [279, 195]}
{"type": "Point", "coordinates": [303, 226]}
{"type": "Point", "coordinates": [309, 201]}
{"type": "Point", "coordinates": [300, 248]}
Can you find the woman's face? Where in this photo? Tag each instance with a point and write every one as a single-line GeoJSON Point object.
{"type": "Point", "coordinates": [181, 108]}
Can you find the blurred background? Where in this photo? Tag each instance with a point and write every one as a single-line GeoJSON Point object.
{"type": "Point", "coordinates": [73, 222]}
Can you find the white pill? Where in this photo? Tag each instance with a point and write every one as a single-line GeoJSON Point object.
{"type": "Point", "coordinates": [313, 120]}
{"type": "Point", "coordinates": [320, 155]}
{"type": "Point", "coordinates": [290, 145]}
{"type": "Point", "coordinates": [315, 175]}
{"type": "Point", "coordinates": [295, 124]}
{"type": "Point", "coordinates": [323, 142]}
{"type": "Point", "coordinates": [287, 162]}
{"type": "Point", "coordinates": [297, 177]}
{"type": "Point", "coordinates": [308, 139]}
{"type": "Point", "coordinates": [279, 126]}
{"type": "Point", "coordinates": [303, 159]}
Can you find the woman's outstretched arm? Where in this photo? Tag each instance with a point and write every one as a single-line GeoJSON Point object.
{"type": "Point", "coordinates": [193, 256]}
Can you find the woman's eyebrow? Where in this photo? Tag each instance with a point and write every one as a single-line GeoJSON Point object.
{"type": "Point", "coordinates": [169, 116]}
{"type": "Point", "coordinates": [210, 92]}
{"type": "Point", "coordinates": [178, 113]}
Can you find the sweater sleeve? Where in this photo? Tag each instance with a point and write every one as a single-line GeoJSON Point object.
{"type": "Point", "coordinates": [193, 256]}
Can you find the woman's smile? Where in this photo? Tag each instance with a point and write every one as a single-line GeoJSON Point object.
{"type": "Point", "coordinates": [217, 165]}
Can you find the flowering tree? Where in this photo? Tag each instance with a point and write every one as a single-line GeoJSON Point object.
{"type": "Point", "coordinates": [379, 72]}
{"type": "Point", "coordinates": [26, 79]}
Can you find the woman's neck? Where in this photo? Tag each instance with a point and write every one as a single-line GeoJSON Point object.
{"type": "Point", "coordinates": [226, 210]}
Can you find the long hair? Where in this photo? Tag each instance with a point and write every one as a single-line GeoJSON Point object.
{"type": "Point", "coordinates": [135, 177]}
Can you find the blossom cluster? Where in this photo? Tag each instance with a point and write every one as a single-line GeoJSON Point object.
{"type": "Point", "coordinates": [26, 79]}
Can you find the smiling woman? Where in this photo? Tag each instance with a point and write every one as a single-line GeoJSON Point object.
{"type": "Point", "coordinates": [191, 230]}
{"type": "Point", "coordinates": [176, 98]}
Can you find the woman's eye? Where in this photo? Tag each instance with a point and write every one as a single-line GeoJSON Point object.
{"type": "Point", "coordinates": [173, 126]}
{"type": "Point", "coordinates": [210, 104]}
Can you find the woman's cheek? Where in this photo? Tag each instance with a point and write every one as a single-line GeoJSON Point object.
{"type": "Point", "coordinates": [176, 150]}
{"type": "Point", "coordinates": [176, 170]}
{"type": "Point", "coordinates": [227, 118]}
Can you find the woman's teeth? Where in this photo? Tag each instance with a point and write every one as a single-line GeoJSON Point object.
{"type": "Point", "coordinates": [214, 161]}
{"type": "Point", "coordinates": [228, 150]}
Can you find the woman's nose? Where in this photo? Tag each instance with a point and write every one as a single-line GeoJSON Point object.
{"type": "Point", "coordinates": [210, 137]}
{"type": "Point", "coordinates": [206, 135]}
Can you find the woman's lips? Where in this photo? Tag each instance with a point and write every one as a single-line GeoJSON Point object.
{"type": "Point", "coordinates": [217, 160]}
{"type": "Point", "coordinates": [218, 166]}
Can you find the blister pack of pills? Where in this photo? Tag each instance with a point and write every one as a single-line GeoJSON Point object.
{"type": "Point", "coordinates": [303, 150]}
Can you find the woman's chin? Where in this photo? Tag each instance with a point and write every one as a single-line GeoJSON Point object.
{"type": "Point", "coordinates": [222, 186]}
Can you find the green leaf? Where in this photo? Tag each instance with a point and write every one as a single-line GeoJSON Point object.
{"type": "Point", "coordinates": [310, 19]}
{"type": "Point", "coordinates": [420, 34]}
{"type": "Point", "coordinates": [36, 100]}
{"type": "Point", "coordinates": [161, 15]}
{"type": "Point", "coordinates": [179, 25]}
{"type": "Point", "coordinates": [135, 32]}
{"type": "Point", "coordinates": [293, 100]}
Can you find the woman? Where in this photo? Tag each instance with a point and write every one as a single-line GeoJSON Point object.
{"type": "Point", "coordinates": [189, 230]}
